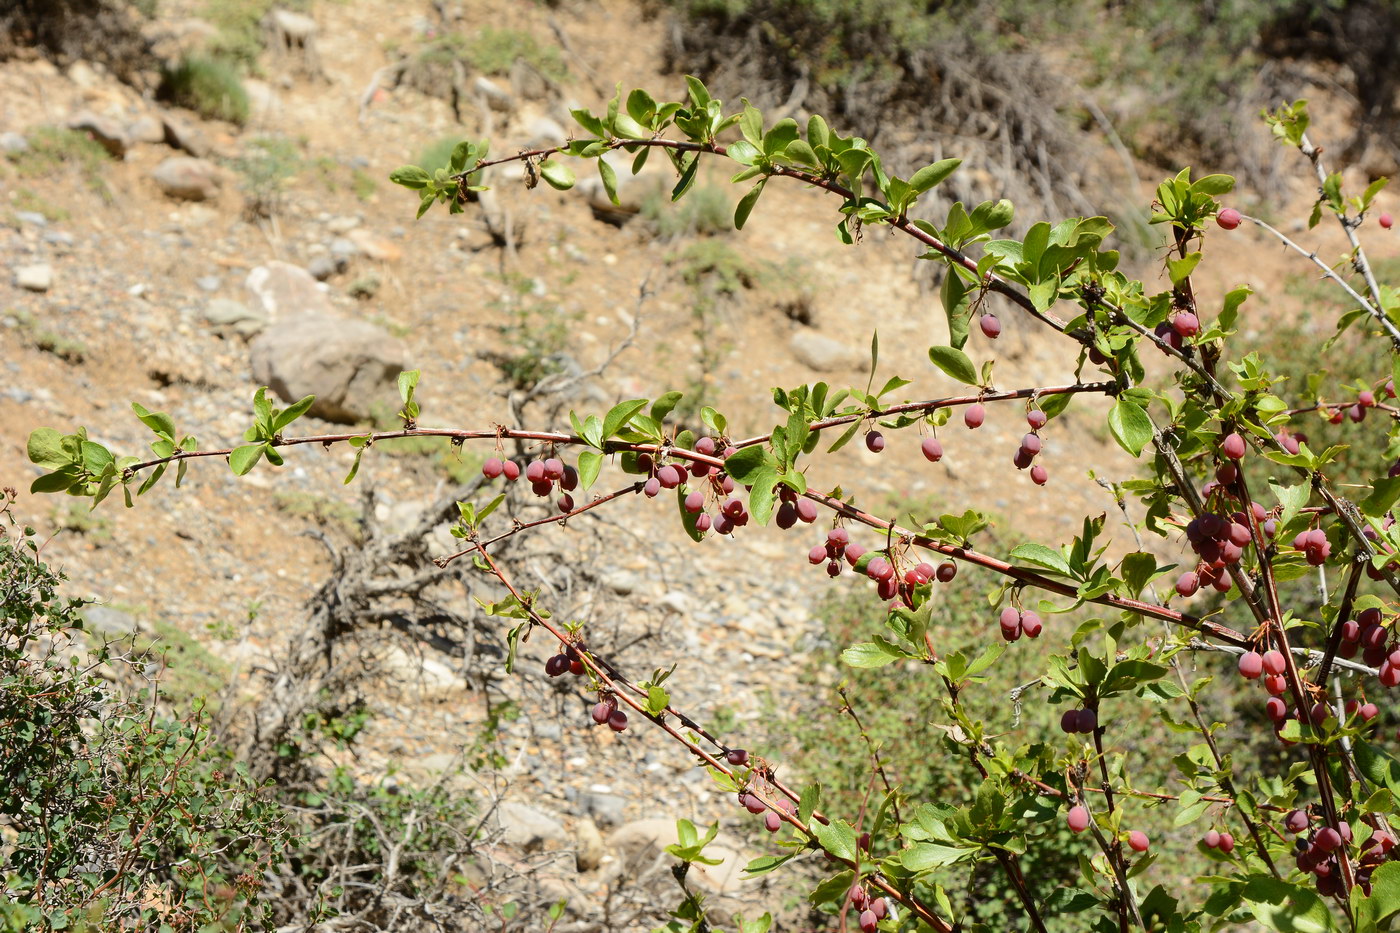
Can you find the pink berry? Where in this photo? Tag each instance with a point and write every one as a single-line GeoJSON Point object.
{"type": "Point", "coordinates": [492, 468]}
{"type": "Point", "coordinates": [510, 470]}
{"type": "Point", "coordinates": [974, 415]}
{"type": "Point", "coordinates": [1228, 219]}
{"type": "Point", "coordinates": [1137, 841]}
{"type": "Point", "coordinates": [991, 326]}
{"type": "Point", "coordinates": [869, 923]}
{"type": "Point", "coordinates": [1187, 584]}
{"type": "Point", "coordinates": [652, 488]}
{"type": "Point", "coordinates": [1386, 221]}
{"type": "Point", "coordinates": [1212, 839]}
{"type": "Point", "coordinates": [1274, 662]}
{"type": "Point", "coordinates": [1233, 446]}
{"type": "Point", "coordinates": [1251, 665]}
{"type": "Point", "coordinates": [1227, 843]}
{"type": "Point", "coordinates": [1030, 624]}
{"type": "Point", "coordinates": [1036, 419]}
{"type": "Point", "coordinates": [1186, 324]}
{"type": "Point", "coordinates": [772, 822]}
{"type": "Point", "coordinates": [816, 555]}
{"type": "Point", "coordinates": [1078, 819]}
{"type": "Point", "coordinates": [933, 450]}
{"type": "Point", "coordinates": [554, 469]}
{"type": "Point", "coordinates": [694, 501]}
{"type": "Point", "coordinates": [737, 757]}
{"type": "Point", "coordinates": [1039, 475]}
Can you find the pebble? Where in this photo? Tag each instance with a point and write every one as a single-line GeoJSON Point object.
{"type": "Point", "coordinates": [35, 278]}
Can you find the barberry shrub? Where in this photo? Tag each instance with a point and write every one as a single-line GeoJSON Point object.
{"type": "Point", "coordinates": [1287, 590]}
{"type": "Point", "coordinates": [115, 816]}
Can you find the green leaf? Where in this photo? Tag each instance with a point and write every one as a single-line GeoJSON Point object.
{"type": "Point", "coordinates": [609, 177]}
{"type": "Point", "coordinates": [743, 152]}
{"type": "Point", "coordinates": [761, 497]}
{"type": "Point", "coordinates": [46, 448]}
{"type": "Point", "coordinates": [410, 176]}
{"type": "Point", "coordinates": [590, 462]}
{"type": "Point", "coordinates": [957, 306]}
{"type": "Point", "coordinates": [244, 458]}
{"type": "Point", "coordinates": [923, 856]}
{"type": "Point", "coordinates": [558, 175]}
{"type": "Point", "coordinates": [748, 463]}
{"type": "Point", "coordinates": [588, 121]}
{"type": "Point", "coordinates": [837, 837]}
{"type": "Point", "coordinates": [293, 412]}
{"type": "Point", "coordinates": [1292, 498]}
{"type": "Point", "coordinates": [1131, 427]}
{"type": "Point", "coordinates": [1286, 908]}
{"type": "Point", "coordinates": [1041, 556]}
{"type": "Point", "coordinates": [1213, 185]}
{"type": "Point", "coordinates": [620, 414]}
{"type": "Point", "coordinates": [930, 175]}
{"type": "Point", "coordinates": [955, 363]}
{"type": "Point", "coordinates": [57, 481]}
{"type": "Point", "coordinates": [157, 421]}
{"type": "Point", "coordinates": [664, 405]}
{"type": "Point", "coordinates": [1384, 492]}
{"type": "Point", "coordinates": [870, 654]}
{"type": "Point", "coordinates": [746, 205]}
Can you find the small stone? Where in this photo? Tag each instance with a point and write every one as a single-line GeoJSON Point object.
{"type": "Point", "coordinates": [607, 809]}
{"type": "Point", "coordinates": [283, 289]}
{"type": "Point", "coordinates": [13, 143]}
{"type": "Point", "coordinates": [343, 251]}
{"type": "Point", "coordinates": [588, 846]}
{"type": "Point", "coordinates": [188, 179]}
{"type": "Point", "coordinates": [497, 97]}
{"type": "Point", "coordinates": [108, 622]}
{"type": "Point", "coordinates": [35, 278]}
{"type": "Point", "coordinates": [322, 268]}
{"type": "Point", "coordinates": [823, 354]}
{"type": "Point", "coordinates": [33, 218]}
{"type": "Point", "coordinates": [107, 133]}
{"type": "Point", "coordinates": [224, 314]}
{"type": "Point", "coordinates": [184, 136]}
{"type": "Point", "coordinates": [529, 829]}
{"type": "Point", "coordinates": [375, 247]}
{"type": "Point", "coordinates": [147, 129]}
{"type": "Point", "coordinates": [60, 238]}
{"type": "Point", "coordinates": [209, 283]}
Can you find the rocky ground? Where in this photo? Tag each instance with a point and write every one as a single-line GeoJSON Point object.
{"type": "Point", "coordinates": [169, 273]}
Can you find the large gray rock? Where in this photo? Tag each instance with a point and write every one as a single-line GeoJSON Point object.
{"type": "Point", "coordinates": [282, 289]}
{"type": "Point", "coordinates": [188, 179]}
{"type": "Point", "coordinates": [146, 129]}
{"type": "Point", "coordinates": [352, 367]}
{"type": "Point", "coordinates": [186, 136]}
{"type": "Point", "coordinates": [108, 133]}
{"type": "Point", "coordinates": [824, 354]}
{"type": "Point", "coordinates": [607, 809]}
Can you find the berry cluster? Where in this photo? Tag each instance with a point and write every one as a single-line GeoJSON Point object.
{"type": "Point", "coordinates": [568, 662]}
{"type": "Point", "coordinates": [1031, 445]}
{"type": "Point", "coordinates": [606, 711]}
{"type": "Point", "coordinates": [1314, 545]}
{"type": "Point", "coordinates": [1368, 634]}
{"type": "Point", "coordinates": [872, 909]}
{"type": "Point", "coordinates": [1356, 411]}
{"type": "Point", "coordinates": [1017, 622]}
{"type": "Point", "coordinates": [714, 483]}
{"type": "Point", "coordinates": [771, 820]}
{"type": "Point", "coordinates": [1219, 541]}
{"type": "Point", "coordinates": [1317, 852]}
{"type": "Point", "coordinates": [541, 474]}
{"type": "Point", "coordinates": [1079, 720]}
{"type": "Point", "coordinates": [1214, 839]}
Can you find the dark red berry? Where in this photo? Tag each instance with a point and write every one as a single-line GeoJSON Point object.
{"type": "Point", "coordinates": [617, 721]}
{"type": "Point", "coordinates": [1228, 219]}
{"type": "Point", "coordinates": [991, 326]}
{"type": "Point", "coordinates": [492, 468]}
{"type": "Point", "coordinates": [874, 442]}
{"type": "Point", "coordinates": [933, 450]}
